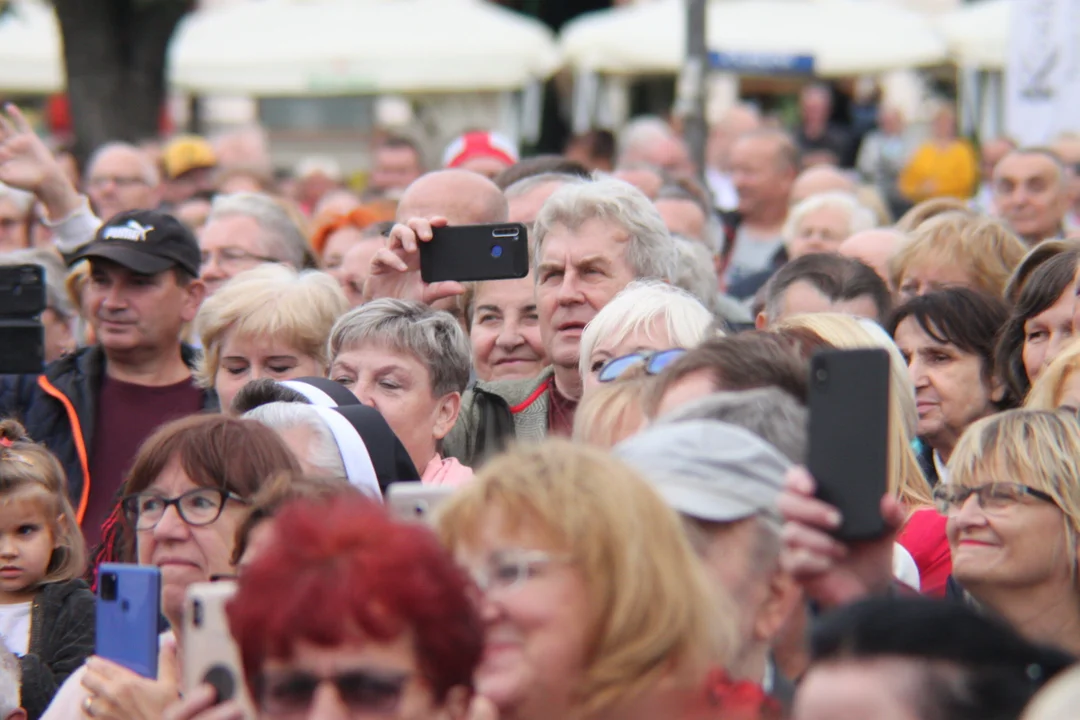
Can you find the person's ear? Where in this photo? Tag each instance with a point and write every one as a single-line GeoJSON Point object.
{"type": "Point", "coordinates": [761, 322]}
{"type": "Point", "coordinates": [783, 594]}
{"type": "Point", "coordinates": [997, 389]}
{"type": "Point", "coordinates": [194, 294]}
{"type": "Point", "coordinates": [16, 714]}
{"type": "Point", "coordinates": [446, 414]}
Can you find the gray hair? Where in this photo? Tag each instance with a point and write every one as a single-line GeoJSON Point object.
{"type": "Point", "coordinates": [770, 413]}
{"type": "Point", "coordinates": [56, 296]}
{"type": "Point", "coordinates": [284, 239]}
{"type": "Point", "coordinates": [526, 185]}
{"type": "Point", "coordinates": [21, 199]}
{"type": "Point", "coordinates": [323, 452]}
{"type": "Point", "coordinates": [650, 250]}
{"type": "Point", "coordinates": [859, 217]}
{"type": "Point", "coordinates": [150, 173]}
{"type": "Point", "coordinates": [696, 272]}
{"type": "Point", "coordinates": [433, 337]}
{"type": "Point", "coordinates": [642, 131]}
{"type": "Point", "coordinates": [10, 682]}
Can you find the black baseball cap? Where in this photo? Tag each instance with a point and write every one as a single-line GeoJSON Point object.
{"type": "Point", "coordinates": [146, 242]}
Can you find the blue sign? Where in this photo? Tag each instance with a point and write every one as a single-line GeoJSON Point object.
{"type": "Point", "coordinates": [749, 63]}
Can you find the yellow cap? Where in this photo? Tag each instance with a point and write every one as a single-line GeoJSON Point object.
{"type": "Point", "coordinates": [187, 153]}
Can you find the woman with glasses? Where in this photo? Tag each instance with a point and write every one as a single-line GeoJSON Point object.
{"type": "Point", "coordinates": [645, 318]}
{"type": "Point", "coordinates": [184, 499]}
{"type": "Point", "coordinates": [593, 603]}
{"type": "Point", "coordinates": [1013, 509]}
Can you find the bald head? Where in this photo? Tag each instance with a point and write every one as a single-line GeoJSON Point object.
{"type": "Point", "coordinates": [460, 196]}
{"type": "Point", "coordinates": [122, 177]}
{"type": "Point", "coordinates": [874, 248]}
{"type": "Point", "coordinates": [820, 179]}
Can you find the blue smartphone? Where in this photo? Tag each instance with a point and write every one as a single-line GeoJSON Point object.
{"type": "Point", "coordinates": [128, 608]}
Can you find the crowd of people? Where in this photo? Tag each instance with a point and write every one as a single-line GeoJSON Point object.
{"type": "Point", "coordinates": [241, 366]}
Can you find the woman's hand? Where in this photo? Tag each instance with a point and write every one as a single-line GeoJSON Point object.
{"type": "Point", "coordinates": [116, 693]}
{"type": "Point", "coordinates": [832, 572]}
{"type": "Point", "coordinates": [200, 705]}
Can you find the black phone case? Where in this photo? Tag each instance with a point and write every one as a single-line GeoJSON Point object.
{"type": "Point", "coordinates": [469, 253]}
{"type": "Point", "coordinates": [22, 291]}
{"type": "Point", "coordinates": [849, 436]}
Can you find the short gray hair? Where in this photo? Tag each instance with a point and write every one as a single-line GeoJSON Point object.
{"type": "Point", "coordinates": [10, 682]}
{"type": "Point", "coordinates": [323, 452]}
{"type": "Point", "coordinates": [56, 296]}
{"type": "Point", "coordinates": [696, 272]}
{"type": "Point", "coordinates": [649, 251]}
{"type": "Point", "coordinates": [526, 185]}
{"type": "Point", "coordinates": [642, 131]}
{"type": "Point", "coordinates": [22, 200]}
{"type": "Point", "coordinates": [770, 413]}
{"type": "Point", "coordinates": [433, 337]}
{"type": "Point", "coordinates": [150, 173]}
{"type": "Point", "coordinates": [859, 217]}
{"type": "Point", "coordinates": [284, 239]}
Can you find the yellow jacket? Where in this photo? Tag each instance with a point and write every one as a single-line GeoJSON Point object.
{"type": "Point", "coordinates": [936, 172]}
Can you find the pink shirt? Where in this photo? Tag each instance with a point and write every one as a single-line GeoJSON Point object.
{"type": "Point", "coordinates": [445, 471]}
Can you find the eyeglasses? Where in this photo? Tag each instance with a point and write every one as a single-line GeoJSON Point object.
{"type": "Point", "coordinates": [7, 223]}
{"type": "Point", "coordinates": [196, 507]}
{"type": "Point", "coordinates": [230, 258]}
{"type": "Point", "coordinates": [654, 362]}
{"type": "Point", "coordinates": [362, 691]}
{"type": "Point", "coordinates": [992, 497]}
{"type": "Point", "coordinates": [509, 569]}
{"type": "Point", "coordinates": [119, 180]}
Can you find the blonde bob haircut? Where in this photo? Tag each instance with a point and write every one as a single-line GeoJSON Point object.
{"type": "Point", "coordinates": [845, 332]}
{"type": "Point", "coordinates": [984, 246]}
{"type": "Point", "coordinates": [1040, 446]}
{"type": "Point", "coordinates": [653, 615]}
{"type": "Point", "coordinates": [648, 306]}
{"type": "Point", "coordinates": [270, 302]}
{"type": "Point", "coordinates": [1047, 391]}
{"type": "Point", "coordinates": [613, 411]}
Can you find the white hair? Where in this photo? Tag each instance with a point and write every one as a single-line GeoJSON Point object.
{"type": "Point", "coordinates": [640, 306]}
{"type": "Point", "coordinates": [859, 217]}
{"type": "Point", "coordinates": [21, 199]}
{"type": "Point", "coordinates": [285, 241]}
{"type": "Point", "coordinates": [696, 272]}
{"type": "Point", "coordinates": [10, 682]}
{"type": "Point", "coordinates": [526, 185]}
{"type": "Point", "coordinates": [150, 173]}
{"type": "Point", "coordinates": [642, 132]}
{"type": "Point", "coordinates": [649, 250]}
{"type": "Point", "coordinates": [323, 452]}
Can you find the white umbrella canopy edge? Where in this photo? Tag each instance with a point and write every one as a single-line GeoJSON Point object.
{"type": "Point", "coordinates": [978, 34]}
{"type": "Point", "coordinates": [31, 49]}
{"type": "Point", "coordinates": [326, 47]}
{"type": "Point", "coordinates": [844, 37]}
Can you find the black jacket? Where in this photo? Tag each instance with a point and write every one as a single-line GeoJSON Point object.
{"type": "Point", "coordinates": [58, 408]}
{"type": "Point", "coordinates": [61, 638]}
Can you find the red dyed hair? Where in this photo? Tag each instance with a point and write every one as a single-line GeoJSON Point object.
{"type": "Point", "coordinates": [360, 218]}
{"type": "Point", "coordinates": [344, 564]}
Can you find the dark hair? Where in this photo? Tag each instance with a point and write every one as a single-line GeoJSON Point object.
{"type": "Point", "coordinates": [401, 142]}
{"type": "Point", "coordinates": [540, 165]}
{"type": "Point", "coordinates": [1046, 284]}
{"type": "Point", "coordinates": [599, 143]}
{"type": "Point", "coordinates": [834, 276]}
{"type": "Point", "coordinates": [263, 391]}
{"type": "Point", "coordinates": [744, 361]}
{"type": "Point", "coordinates": [962, 317]}
{"type": "Point", "coordinates": [1035, 258]}
{"type": "Point", "coordinates": [996, 671]}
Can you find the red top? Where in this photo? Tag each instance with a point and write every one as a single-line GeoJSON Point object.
{"type": "Point", "coordinates": [924, 537]}
{"type": "Point", "coordinates": [727, 699]}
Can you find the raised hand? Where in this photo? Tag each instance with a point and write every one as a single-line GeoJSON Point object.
{"type": "Point", "coordinates": [395, 269]}
{"type": "Point", "coordinates": [25, 161]}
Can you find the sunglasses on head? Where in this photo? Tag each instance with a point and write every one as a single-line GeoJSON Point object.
{"type": "Point", "coordinates": [654, 363]}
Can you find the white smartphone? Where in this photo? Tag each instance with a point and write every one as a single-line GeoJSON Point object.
{"type": "Point", "coordinates": [210, 654]}
{"type": "Point", "coordinates": [416, 501]}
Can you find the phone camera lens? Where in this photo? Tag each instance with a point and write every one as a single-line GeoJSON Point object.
{"type": "Point", "coordinates": [496, 251]}
{"type": "Point", "coordinates": [821, 375]}
{"type": "Point", "coordinates": [196, 613]}
{"type": "Point", "coordinates": [108, 586]}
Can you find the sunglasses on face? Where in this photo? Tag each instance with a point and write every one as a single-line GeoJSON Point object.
{"type": "Point", "coordinates": [362, 691]}
{"type": "Point", "coordinates": [654, 362]}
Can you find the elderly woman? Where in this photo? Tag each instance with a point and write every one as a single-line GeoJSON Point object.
{"type": "Point", "coordinates": [504, 328]}
{"type": "Point", "coordinates": [1041, 322]}
{"type": "Point", "coordinates": [955, 249]}
{"type": "Point", "coordinates": [15, 209]}
{"type": "Point", "coordinates": [643, 321]}
{"type": "Point", "coordinates": [412, 364]}
{"type": "Point", "coordinates": [267, 322]}
{"type": "Point", "coordinates": [183, 501]}
{"type": "Point", "coordinates": [1013, 509]}
{"type": "Point", "coordinates": [1058, 385]}
{"type": "Point", "coordinates": [594, 604]}
{"type": "Point", "coordinates": [821, 222]}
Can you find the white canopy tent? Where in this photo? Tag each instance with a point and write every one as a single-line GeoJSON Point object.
{"type": "Point", "coordinates": [31, 52]}
{"type": "Point", "coordinates": [844, 37]}
{"type": "Point", "coordinates": [978, 34]}
{"type": "Point", "coordinates": [332, 47]}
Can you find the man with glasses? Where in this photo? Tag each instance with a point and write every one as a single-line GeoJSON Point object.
{"type": "Point", "coordinates": [121, 177]}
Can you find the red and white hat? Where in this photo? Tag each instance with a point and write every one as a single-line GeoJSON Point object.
{"type": "Point", "coordinates": [479, 144]}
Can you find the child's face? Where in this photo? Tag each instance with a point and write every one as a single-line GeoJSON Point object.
{"type": "Point", "coordinates": [26, 546]}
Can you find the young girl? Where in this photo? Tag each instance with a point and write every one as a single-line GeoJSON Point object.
{"type": "Point", "coordinates": [46, 611]}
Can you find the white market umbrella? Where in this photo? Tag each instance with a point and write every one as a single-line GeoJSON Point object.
{"type": "Point", "coordinates": [978, 34]}
{"type": "Point", "coordinates": [844, 37]}
{"type": "Point", "coordinates": [334, 47]}
{"type": "Point", "coordinates": [31, 51]}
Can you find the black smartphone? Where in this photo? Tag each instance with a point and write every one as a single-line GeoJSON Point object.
{"type": "Point", "coordinates": [22, 291]}
{"type": "Point", "coordinates": [469, 253]}
{"type": "Point", "coordinates": [849, 436]}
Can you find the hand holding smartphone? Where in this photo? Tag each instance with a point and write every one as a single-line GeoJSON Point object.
{"type": "Point", "coordinates": [469, 253]}
{"type": "Point", "coordinates": [128, 611]}
{"type": "Point", "coordinates": [416, 501]}
{"type": "Point", "coordinates": [210, 654]}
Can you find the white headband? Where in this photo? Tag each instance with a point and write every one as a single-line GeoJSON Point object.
{"type": "Point", "coordinates": [358, 468]}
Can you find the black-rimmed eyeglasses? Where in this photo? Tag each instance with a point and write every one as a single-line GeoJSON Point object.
{"type": "Point", "coordinates": [198, 507]}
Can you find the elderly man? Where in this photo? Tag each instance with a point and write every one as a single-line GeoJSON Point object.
{"type": "Point", "coordinates": [651, 141]}
{"type": "Point", "coordinates": [821, 179]}
{"type": "Point", "coordinates": [397, 163]}
{"type": "Point", "coordinates": [735, 123]}
{"type": "Point", "coordinates": [1031, 193]}
{"type": "Point", "coordinates": [990, 154]}
{"type": "Point", "coordinates": [528, 195]}
{"type": "Point", "coordinates": [763, 165]}
{"type": "Point", "coordinates": [824, 283]}
{"type": "Point", "coordinates": [820, 142]}
{"type": "Point", "coordinates": [724, 481]}
{"type": "Point", "coordinates": [121, 177]}
{"type": "Point", "coordinates": [245, 230]}
{"type": "Point", "coordinates": [874, 247]}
